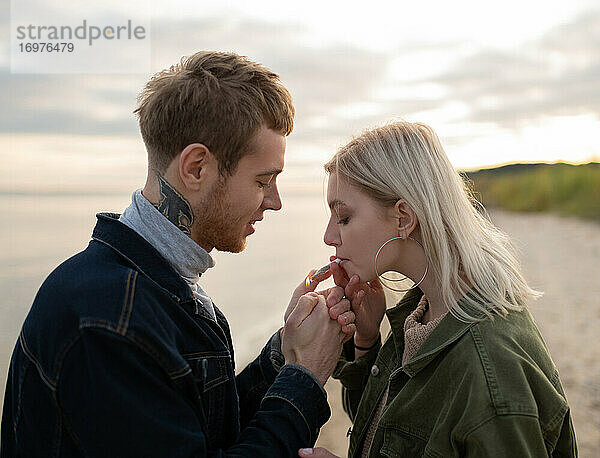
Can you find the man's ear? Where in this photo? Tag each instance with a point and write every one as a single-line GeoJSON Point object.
{"type": "Point", "coordinates": [406, 217]}
{"type": "Point", "coordinates": [196, 165]}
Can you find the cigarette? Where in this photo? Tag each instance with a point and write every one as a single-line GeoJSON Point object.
{"type": "Point", "coordinates": [322, 271]}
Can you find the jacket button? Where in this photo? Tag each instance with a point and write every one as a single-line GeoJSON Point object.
{"type": "Point", "coordinates": [374, 370]}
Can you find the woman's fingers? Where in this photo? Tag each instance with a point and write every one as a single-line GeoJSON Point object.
{"type": "Point", "coordinates": [334, 295]}
{"type": "Point", "coordinates": [359, 298]}
{"type": "Point", "coordinates": [352, 286]}
{"type": "Point", "coordinates": [341, 306]}
{"type": "Point", "coordinates": [346, 318]}
{"type": "Point", "coordinates": [348, 331]}
{"type": "Point", "coordinates": [376, 284]}
{"type": "Point", "coordinates": [340, 277]}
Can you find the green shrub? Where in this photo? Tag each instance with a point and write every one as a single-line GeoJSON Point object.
{"type": "Point", "coordinates": [562, 188]}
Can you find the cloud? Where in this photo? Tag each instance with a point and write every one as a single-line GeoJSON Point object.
{"type": "Point", "coordinates": [338, 89]}
{"type": "Point", "coordinates": [68, 104]}
{"type": "Point", "coordinates": [323, 79]}
{"type": "Point", "coordinates": [555, 75]}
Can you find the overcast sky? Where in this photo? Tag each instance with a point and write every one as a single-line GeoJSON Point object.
{"type": "Point", "coordinates": [499, 81]}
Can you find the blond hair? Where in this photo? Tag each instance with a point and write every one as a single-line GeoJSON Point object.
{"type": "Point", "coordinates": [218, 99]}
{"type": "Point", "coordinates": [467, 254]}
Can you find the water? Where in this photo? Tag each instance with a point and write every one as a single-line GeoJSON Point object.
{"type": "Point", "coordinates": [252, 288]}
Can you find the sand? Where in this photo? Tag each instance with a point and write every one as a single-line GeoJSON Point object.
{"type": "Point", "coordinates": [561, 257]}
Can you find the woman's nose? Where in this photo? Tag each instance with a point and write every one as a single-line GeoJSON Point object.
{"type": "Point", "coordinates": [331, 236]}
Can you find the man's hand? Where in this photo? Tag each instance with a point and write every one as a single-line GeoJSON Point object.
{"type": "Point", "coordinates": [339, 306]}
{"type": "Point", "coordinates": [311, 338]}
{"type": "Point", "coordinates": [303, 288]}
{"type": "Point", "coordinates": [318, 452]}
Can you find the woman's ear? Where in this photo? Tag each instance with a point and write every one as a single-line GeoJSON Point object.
{"type": "Point", "coordinates": [406, 217]}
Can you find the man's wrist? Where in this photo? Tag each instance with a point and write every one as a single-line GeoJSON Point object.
{"type": "Point", "coordinates": [321, 378]}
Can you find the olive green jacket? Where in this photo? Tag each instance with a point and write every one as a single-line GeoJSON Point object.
{"type": "Point", "coordinates": [472, 389]}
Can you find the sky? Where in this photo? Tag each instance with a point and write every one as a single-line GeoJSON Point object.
{"type": "Point", "coordinates": [498, 81]}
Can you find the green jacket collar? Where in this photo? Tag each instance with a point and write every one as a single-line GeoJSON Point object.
{"type": "Point", "coordinates": [448, 331]}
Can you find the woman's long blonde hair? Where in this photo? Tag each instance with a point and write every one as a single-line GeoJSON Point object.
{"type": "Point", "coordinates": [465, 251]}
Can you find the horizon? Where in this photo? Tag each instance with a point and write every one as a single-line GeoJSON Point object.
{"type": "Point", "coordinates": [82, 165]}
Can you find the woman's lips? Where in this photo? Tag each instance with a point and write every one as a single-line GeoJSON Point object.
{"type": "Point", "coordinates": [333, 258]}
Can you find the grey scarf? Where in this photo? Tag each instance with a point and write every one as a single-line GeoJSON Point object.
{"type": "Point", "coordinates": [188, 258]}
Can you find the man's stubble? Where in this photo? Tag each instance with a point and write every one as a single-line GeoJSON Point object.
{"type": "Point", "coordinates": [216, 226]}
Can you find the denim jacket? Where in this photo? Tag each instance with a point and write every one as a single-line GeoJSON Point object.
{"type": "Point", "coordinates": [472, 389]}
{"type": "Point", "coordinates": [114, 360]}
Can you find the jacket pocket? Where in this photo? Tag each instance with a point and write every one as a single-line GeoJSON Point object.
{"type": "Point", "coordinates": [398, 443]}
{"type": "Point", "coordinates": [211, 372]}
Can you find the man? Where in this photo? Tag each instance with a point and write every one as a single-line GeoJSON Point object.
{"type": "Point", "coordinates": [122, 353]}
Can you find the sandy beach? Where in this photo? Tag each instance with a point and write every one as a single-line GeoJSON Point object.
{"type": "Point", "coordinates": [561, 257]}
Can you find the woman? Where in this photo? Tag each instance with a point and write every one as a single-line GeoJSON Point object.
{"type": "Point", "coordinates": [464, 370]}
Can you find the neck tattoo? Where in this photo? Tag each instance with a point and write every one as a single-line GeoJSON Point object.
{"type": "Point", "coordinates": [174, 206]}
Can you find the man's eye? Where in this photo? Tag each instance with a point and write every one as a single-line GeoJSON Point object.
{"type": "Point", "coordinates": [263, 185]}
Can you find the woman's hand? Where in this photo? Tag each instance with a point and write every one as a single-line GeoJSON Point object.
{"type": "Point", "coordinates": [368, 304]}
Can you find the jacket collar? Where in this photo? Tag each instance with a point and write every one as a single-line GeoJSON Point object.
{"type": "Point", "coordinates": [141, 255]}
{"type": "Point", "coordinates": [448, 331]}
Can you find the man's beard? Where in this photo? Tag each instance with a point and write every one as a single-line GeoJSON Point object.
{"type": "Point", "coordinates": [215, 226]}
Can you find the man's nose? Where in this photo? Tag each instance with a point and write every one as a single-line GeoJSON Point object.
{"type": "Point", "coordinates": [272, 200]}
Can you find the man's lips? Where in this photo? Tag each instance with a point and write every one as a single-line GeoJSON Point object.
{"type": "Point", "coordinates": [252, 223]}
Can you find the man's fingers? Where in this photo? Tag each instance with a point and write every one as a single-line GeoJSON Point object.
{"type": "Point", "coordinates": [303, 309]}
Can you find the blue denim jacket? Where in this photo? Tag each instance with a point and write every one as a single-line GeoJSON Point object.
{"type": "Point", "coordinates": [114, 360]}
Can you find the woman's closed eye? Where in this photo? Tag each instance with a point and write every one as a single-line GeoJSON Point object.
{"type": "Point", "coordinates": [343, 221]}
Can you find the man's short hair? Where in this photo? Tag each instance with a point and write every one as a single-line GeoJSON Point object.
{"type": "Point", "coordinates": [218, 99]}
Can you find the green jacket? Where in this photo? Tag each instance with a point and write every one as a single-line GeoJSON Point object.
{"type": "Point", "coordinates": [476, 390]}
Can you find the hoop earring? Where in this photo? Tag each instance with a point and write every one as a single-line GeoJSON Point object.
{"type": "Point", "coordinates": [405, 277]}
{"type": "Point", "coordinates": [377, 254]}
